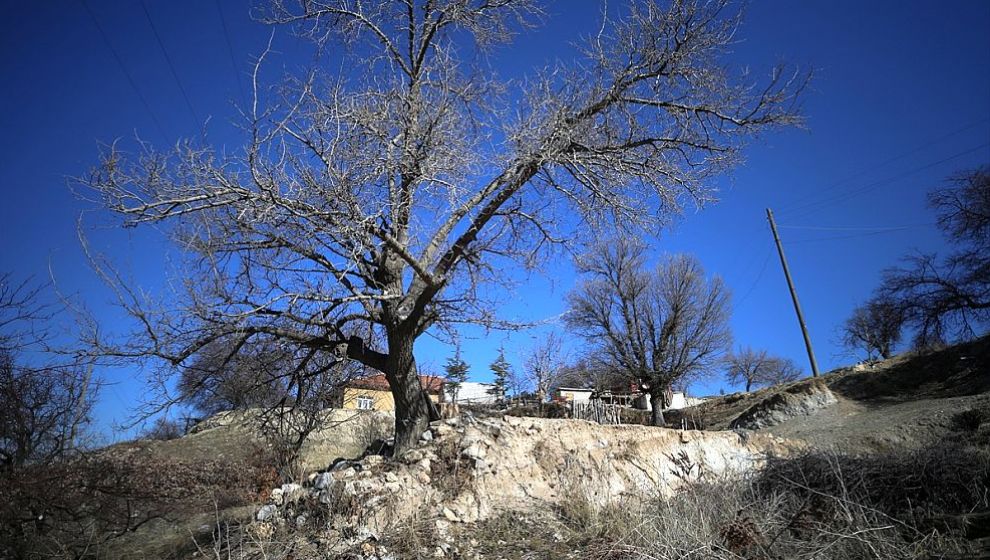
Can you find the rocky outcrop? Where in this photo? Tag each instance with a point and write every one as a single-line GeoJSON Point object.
{"type": "Point", "coordinates": [797, 400]}
{"type": "Point", "coordinates": [467, 470]}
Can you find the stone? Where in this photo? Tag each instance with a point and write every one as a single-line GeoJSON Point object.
{"type": "Point", "coordinates": [262, 532]}
{"type": "Point", "coordinates": [373, 460]}
{"type": "Point", "coordinates": [412, 456]}
{"type": "Point", "coordinates": [291, 491]}
{"type": "Point", "coordinates": [323, 481]}
{"type": "Point", "coordinates": [427, 436]}
{"type": "Point", "coordinates": [474, 451]}
{"type": "Point", "coordinates": [266, 512]}
{"type": "Point", "coordinates": [276, 497]}
{"type": "Point", "coordinates": [450, 515]}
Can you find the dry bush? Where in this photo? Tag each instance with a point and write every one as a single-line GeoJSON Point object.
{"type": "Point", "coordinates": [541, 410]}
{"type": "Point", "coordinates": [971, 419]}
{"type": "Point", "coordinates": [451, 471]}
{"type": "Point", "coordinates": [73, 509]}
{"type": "Point", "coordinates": [815, 506]}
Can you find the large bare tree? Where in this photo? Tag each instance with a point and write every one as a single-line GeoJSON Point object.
{"type": "Point", "coordinates": [949, 297]}
{"type": "Point", "coordinates": [874, 327]}
{"type": "Point", "coordinates": [544, 364]}
{"type": "Point", "coordinates": [371, 204]}
{"type": "Point", "coordinates": [659, 326]}
{"type": "Point", "coordinates": [758, 368]}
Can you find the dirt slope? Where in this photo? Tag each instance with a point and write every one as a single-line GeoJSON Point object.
{"type": "Point", "coordinates": [908, 401]}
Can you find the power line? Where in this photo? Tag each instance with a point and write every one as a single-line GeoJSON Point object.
{"type": "Point", "coordinates": [759, 276]}
{"type": "Point", "coordinates": [853, 236]}
{"type": "Point", "coordinates": [873, 167]}
{"type": "Point", "coordinates": [840, 228]}
{"type": "Point", "coordinates": [230, 52]}
{"type": "Point", "coordinates": [807, 209]}
{"type": "Point", "coordinates": [171, 67]}
{"type": "Point", "coordinates": [123, 68]}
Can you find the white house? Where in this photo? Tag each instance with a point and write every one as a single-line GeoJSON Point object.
{"type": "Point", "coordinates": [573, 394]}
{"type": "Point", "coordinates": [470, 392]}
{"type": "Point", "coordinates": [679, 400]}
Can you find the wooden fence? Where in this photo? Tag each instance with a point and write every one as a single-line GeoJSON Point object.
{"type": "Point", "coordinates": [596, 411]}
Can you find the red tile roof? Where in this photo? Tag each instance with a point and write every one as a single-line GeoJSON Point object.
{"type": "Point", "coordinates": [431, 383]}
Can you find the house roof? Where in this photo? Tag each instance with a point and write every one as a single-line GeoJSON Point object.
{"type": "Point", "coordinates": [431, 383]}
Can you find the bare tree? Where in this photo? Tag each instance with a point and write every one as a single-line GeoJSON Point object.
{"type": "Point", "coordinates": [659, 326]}
{"type": "Point", "coordinates": [45, 403]}
{"type": "Point", "coordinates": [544, 364]}
{"type": "Point", "coordinates": [950, 297]}
{"type": "Point", "coordinates": [757, 368]}
{"type": "Point", "coordinates": [371, 205]}
{"type": "Point", "coordinates": [590, 372]}
{"type": "Point", "coordinates": [874, 327]}
{"type": "Point", "coordinates": [219, 379]}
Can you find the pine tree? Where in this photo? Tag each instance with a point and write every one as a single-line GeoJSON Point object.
{"type": "Point", "coordinates": [457, 373]}
{"type": "Point", "coordinates": [502, 377]}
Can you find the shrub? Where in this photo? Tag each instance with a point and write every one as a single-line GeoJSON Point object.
{"type": "Point", "coordinates": [821, 506]}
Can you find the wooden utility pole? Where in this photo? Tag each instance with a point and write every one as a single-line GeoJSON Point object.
{"type": "Point", "coordinates": [794, 298]}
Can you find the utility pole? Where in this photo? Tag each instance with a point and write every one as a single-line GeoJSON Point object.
{"type": "Point", "coordinates": [794, 298]}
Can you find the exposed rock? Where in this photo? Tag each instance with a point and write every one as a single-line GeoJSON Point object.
{"type": "Point", "coordinates": [322, 481]}
{"type": "Point", "coordinates": [266, 512]}
{"type": "Point", "coordinates": [798, 400]}
{"type": "Point", "coordinates": [526, 463]}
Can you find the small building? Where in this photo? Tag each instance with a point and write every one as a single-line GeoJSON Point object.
{"type": "Point", "coordinates": [374, 393]}
{"type": "Point", "coordinates": [470, 392]}
{"type": "Point", "coordinates": [678, 400]}
{"type": "Point", "coordinates": [572, 394]}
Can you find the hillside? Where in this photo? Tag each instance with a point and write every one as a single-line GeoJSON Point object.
{"type": "Point", "coordinates": [882, 461]}
{"type": "Point", "coordinates": [909, 401]}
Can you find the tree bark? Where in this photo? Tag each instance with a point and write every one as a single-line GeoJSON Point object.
{"type": "Point", "coordinates": [413, 408]}
{"type": "Point", "coordinates": [657, 403]}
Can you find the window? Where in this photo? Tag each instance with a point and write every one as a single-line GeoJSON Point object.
{"type": "Point", "coordinates": [365, 403]}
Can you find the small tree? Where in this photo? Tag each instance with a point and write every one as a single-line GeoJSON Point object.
{"type": "Point", "coordinates": [659, 327]}
{"type": "Point", "coordinates": [45, 405]}
{"type": "Point", "coordinates": [163, 429]}
{"type": "Point", "coordinates": [875, 328]}
{"type": "Point", "coordinates": [756, 368]}
{"type": "Point", "coordinates": [456, 371]}
{"type": "Point", "coordinates": [949, 298]}
{"type": "Point", "coordinates": [501, 377]}
{"type": "Point", "coordinates": [544, 364]}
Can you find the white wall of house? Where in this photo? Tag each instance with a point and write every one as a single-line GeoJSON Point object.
{"type": "Point", "coordinates": [680, 400]}
{"type": "Point", "coordinates": [475, 393]}
{"type": "Point", "coordinates": [573, 394]}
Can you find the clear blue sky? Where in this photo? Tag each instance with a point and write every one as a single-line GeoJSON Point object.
{"type": "Point", "coordinates": [900, 100]}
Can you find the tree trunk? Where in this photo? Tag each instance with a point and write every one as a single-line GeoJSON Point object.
{"type": "Point", "coordinates": [749, 384]}
{"type": "Point", "coordinates": [412, 406]}
{"type": "Point", "coordinates": [657, 403]}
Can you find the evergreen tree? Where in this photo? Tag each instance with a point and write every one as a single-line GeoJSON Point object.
{"type": "Point", "coordinates": [502, 377]}
{"type": "Point", "coordinates": [457, 373]}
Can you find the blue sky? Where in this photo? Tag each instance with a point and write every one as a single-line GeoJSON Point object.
{"type": "Point", "coordinates": [901, 98]}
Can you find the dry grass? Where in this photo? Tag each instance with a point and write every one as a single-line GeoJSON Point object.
{"type": "Point", "coordinates": [812, 507]}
